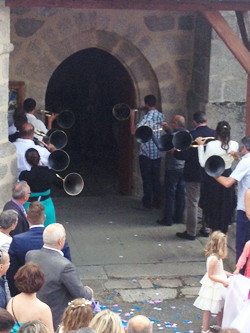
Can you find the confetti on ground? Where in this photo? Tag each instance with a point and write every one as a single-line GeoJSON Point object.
{"type": "Point", "coordinates": [173, 307]}
{"type": "Point", "coordinates": [127, 314]}
{"type": "Point", "coordinates": [135, 235]}
{"type": "Point", "coordinates": [198, 316]}
{"type": "Point", "coordinates": [110, 221]}
{"type": "Point", "coordinates": [121, 244]}
{"type": "Point", "coordinates": [120, 256]}
{"type": "Point", "coordinates": [108, 238]}
{"type": "Point", "coordinates": [115, 305]}
{"type": "Point", "coordinates": [137, 308]}
{"type": "Point", "coordinates": [143, 302]}
{"type": "Point", "coordinates": [159, 244]}
{"type": "Point", "coordinates": [187, 322]}
{"type": "Point", "coordinates": [134, 280]}
{"type": "Point", "coordinates": [158, 301]}
{"type": "Point", "coordinates": [108, 299]}
{"type": "Point", "coordinates": [179, 246]}
{"type": "Point", "coordinates": [176, 316]}
{"type": "Point", "coordinates": [116, 309]}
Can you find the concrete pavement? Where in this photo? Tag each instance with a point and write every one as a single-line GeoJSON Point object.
{"type": "Point", "coordinates": [133, 263]}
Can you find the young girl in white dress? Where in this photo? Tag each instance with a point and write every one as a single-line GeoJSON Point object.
{"type": "Point", "coordinates": [214, 281]}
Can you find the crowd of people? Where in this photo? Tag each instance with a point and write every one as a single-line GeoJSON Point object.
{"type": "Point", "coordinates": [35, 256]}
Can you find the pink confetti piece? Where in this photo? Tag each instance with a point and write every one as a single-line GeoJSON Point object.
{"type": "Point", "coordinates": [127, 314]}
{"type": "Point", "coordinates": [158, 301]}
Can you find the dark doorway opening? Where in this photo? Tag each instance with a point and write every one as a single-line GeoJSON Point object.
{"type": "Point", "coordinates": [89, 83]}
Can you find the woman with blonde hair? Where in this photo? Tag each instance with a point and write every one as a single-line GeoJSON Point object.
{"type": "Point", "coordinates": [106, 321]}
{"type": "Point", "coordinates": [77, 314]}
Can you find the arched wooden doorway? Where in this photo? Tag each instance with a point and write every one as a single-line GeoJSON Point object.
{"type": "Point", "coordinates": [89, 83]}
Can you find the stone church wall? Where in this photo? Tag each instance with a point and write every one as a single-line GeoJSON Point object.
{"type": "Point", "coordinates": [155, 47]}
{"type": "Point", "coordinates": [7, 150]}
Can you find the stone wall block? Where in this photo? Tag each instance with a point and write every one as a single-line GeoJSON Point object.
{"type": "Point", "coordinates": [92, 15]}
{"type": "Point", "coordinates": [170, 113]}
{"type": "Point", "coordinates": [81, 20]}
{"type": "Point", "coordinates": [127, 51]}
{"type": "Point", "coordinates": [3, 94]}
{"type": "Point", "coordinates": [200, 84]}
{"type": "Point", "coordinates": [45, 68]}
{"type": "Point", "coordinates": [107, 41]}
{"type": "Point", "coordinates": [5, 190]}
{"type": "Point", "coordinates": [65, 27]}
{"type": "Point", "coordinates": [144, 43]}
{"type": "Point", "coordinates": [155, 23]}
{"type": "Point", "coordinates": [27, 27]}
{"type": "Point", "coordinates": [103, 21]}
{"type": "Point", "coordinates": [61, 49]}
{"type": "Point", "coordinates": [7, 149]}
{"type": "Point", "coordinates": [164, 72]}
{"type": "Point", "coordinates": [170, 93]}
{"type": "Point", "coordinates": [184, 66]}
{"type": "Point", "coordinates": [139, 70]}
{"type": "Point", "coordinates": [186, 22]}
{"type": "Point", "coordinates": [4, 126]}
{"type": "Point", "coordinates": [235, 90]}
{"type": "Point", "coordinates": [3, 170]}
{"type": "Point", "coordinates": [201, 63]}
{"type": "Point", "coordinates": [13, 167]}
{"type": "Point", "coordinates": [177, 45]}
{"type": "Point", "coordinates": [26, 72]}
{"type": "Point", "coordinates": [132, 33]}
{"type": "Point", "coordinates": [49, 36]}
{"type": "Point", "coordinates": [36, 48]}
{"type": "Point", "coordinates": [5, 68]}
{"type": "Point", "coordinates": [19, 10]}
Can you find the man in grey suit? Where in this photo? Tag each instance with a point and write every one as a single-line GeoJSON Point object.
{"type": "Point", "coordinates": [61, 281]}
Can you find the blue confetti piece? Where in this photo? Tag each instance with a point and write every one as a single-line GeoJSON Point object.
{"type": "Point", "coordinates": [103, 307]}
{"type": "Point", "coordinates": [137, 308]}
{"type": "Point", "coordinates": [155, 286]}
{"type": "Point", "coordinates": [121, 244]}
{"type": "Point", "coordinates": [143, 302]}
{"type": "Point", "coordinates": [115, 292]}
{"type": "Point", "coordinates": [124, 323]}
{"type": "Point", "coordinates": [151, 319]}
{"type": "Point", "coordinates": [176, 316]}
{"type": "Point", "coordinates": [157, 321]}
{"type": "Point", "coordinates": [116, 309]}
{"type": "Point", "coordinates": [198, 316]}
{"type": "Point", "coordinates": [108, 299]}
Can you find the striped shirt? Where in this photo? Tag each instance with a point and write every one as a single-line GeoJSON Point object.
{"type": "Point", "coordinates": [149, 149]}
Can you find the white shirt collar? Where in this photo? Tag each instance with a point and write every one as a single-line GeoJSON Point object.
{"type": "Point", "coordinates": [51, 248]}
{"type": "Point", "coordinates": [37, 225]}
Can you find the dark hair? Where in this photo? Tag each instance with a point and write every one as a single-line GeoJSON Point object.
{"type": "Point", "coordinates": [150, 100]}
{"type": "Point", "coordinates": [6, 320]}
{"type": "Point", "coordinates": [29, 278]}
{"type": "Point", "coordinates": [29, 105]}
{"type": "Point", "coordinates": [19, 118]}
{"type": "Point", "coordinates": [36, 213]}
{"type": "Point", "coordinates": [246, 142]}
{"type": "Point", "coordinates": [199, 117]}
{"type": "Point", "coordinates": [223, 130]}
{"type": "Point", "coordinates": [32, 156]}
{"type": "Point", "coordinates": [7, 218]}
{"type": "Point", "coordinates": [26, 131]}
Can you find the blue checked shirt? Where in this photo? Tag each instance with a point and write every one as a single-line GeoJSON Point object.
{"type": "Point", "coordinates": [149, 149]}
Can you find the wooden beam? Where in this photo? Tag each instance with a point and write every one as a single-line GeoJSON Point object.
{"type": "Point", "coordinates": [248, 107]}
{"type": "Point", "coordinates": [229, 38]}
{"type": "Point", "coordinates": [183, 5]}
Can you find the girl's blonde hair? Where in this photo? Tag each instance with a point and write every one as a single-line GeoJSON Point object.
{"type": "Point", "coordinates": [106, 321]}
{"type": "Point", "coordinates": [34, 326]}
{"type": "Point", "coordinates": [217, 244]}
{"type": "Point", "coordinates": [77, 314]}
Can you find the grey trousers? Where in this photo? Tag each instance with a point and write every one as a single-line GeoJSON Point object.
{"type": "Point", "coordinates": [193, 196]}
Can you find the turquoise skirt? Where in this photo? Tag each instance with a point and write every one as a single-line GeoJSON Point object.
{"type": "Point", "coordinates": [48, 205]}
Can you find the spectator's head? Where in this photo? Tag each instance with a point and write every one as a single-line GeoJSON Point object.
{"type": "Point", "coordinates": [199, 118]}
{"type": "Point", "coordinates": [54, 235]}
{"type": "Point", "coordinates": [217, 244]}
{"type": "Point", "coordinates": [4, 262]}
{"type": "Point", "coordinates": [106, 321]}
{"type": "Point", "coordinates": [29, 278]}
{"type": "Point", "coordinates": [150, 100]}
{"type": "Point", "coordinates": [36, 213]}
{"type": "Point", "coordinates": [27, 131]}
{"type": "Point", "coordinates": [178, 122]}
{"type": "Point", "coordinates": [19, 118]}
{"type": "Point", "coordinates": [139, 324]}
{"type": "Point", "coordinates": [34, 326]}
{"type": "Point", "coordinates": [6, 321]}
{"type": "Point", "coordinates": [77, 314]}
{"type": "Point", "coordinates": [8, 220]}
{"type": "Point", "coordinates": [21, 192]}
{"type": "Point", "coordinates": [223, 130]}
{"type": "Point", "coordinates": [29, 105]}
{"type": "Point", "coordinates": [32, 157]}
{"type": "Point", "coordinates": [245, 145]}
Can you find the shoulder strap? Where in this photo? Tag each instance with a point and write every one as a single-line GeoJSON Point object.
{"type": "Point", "coordinates": [14, 312]}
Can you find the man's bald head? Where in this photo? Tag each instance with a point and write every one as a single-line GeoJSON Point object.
{"type": "Point", "coordinates": [54, 235]}
{"type": "Point", "coordinates": [178, 121]}
{"type": "Point", "coordinates": [139, 324]}
{"type": "Point", "coordinates": [27, 131]}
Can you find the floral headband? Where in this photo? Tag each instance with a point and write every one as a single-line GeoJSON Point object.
{"type": "Point", "coordinates": [84, 302]}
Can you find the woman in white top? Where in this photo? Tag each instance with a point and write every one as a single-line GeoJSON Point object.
{"type": "Point", "coordinates": [218, 202]}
